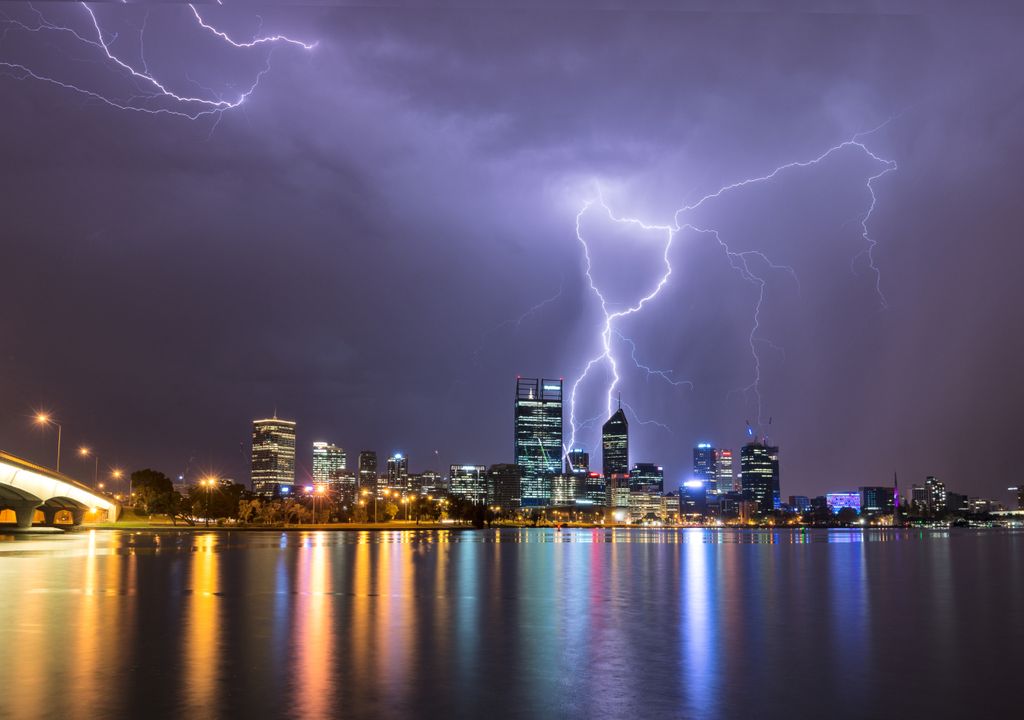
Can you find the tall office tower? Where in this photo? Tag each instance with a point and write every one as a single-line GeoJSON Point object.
{"type": "Point", "coordinates": [328, 459]}
{"type": "Point", "coordinates": [273, 457]}
{"type": "Point", "coordinates": [577, 467]}
{"type": "Point", "coordinates": [704, 465]}
{"type": "Point", "coordinates": [367, 470]}
{"type": "Point", "coordinates": [935, 495]}
{"type": "Point", "coordinates": [648, 478]}
{"type": "Point", "coordinates": [469, 481]}
{"type": "Point", "coordinates": [918, 498]}
{"type": "Point", "coordinates": [615, 445]}
{"type": "Point", "coordinates": [724, 480]}
{"type": "Point", "coordinates": [595, 489]}
{"type": "Point", "coordinates": [693, 497]}
{"type": "Point", "coordinates": [759, 474]}
{"type": "Point", "coordinates": [577, 462]}
{"type": "Point", "coordinates": [398, 472]}
{"type": "Point", "coordinates": [505, 486]}
{"type": "Point", "coordinates": [343, 482]}
{"type": "Point", "coordinates": [538, 437]}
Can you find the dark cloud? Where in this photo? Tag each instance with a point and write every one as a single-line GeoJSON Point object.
{"type": "Point", "coordinates": [356, 244]}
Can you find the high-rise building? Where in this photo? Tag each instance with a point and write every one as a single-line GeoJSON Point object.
{"type": "Point", "coordinates": [874, 499]}
{"type": "Point", "coordinates": [328, 459]}
{"type": "Point", "coordinates": [935, 495]}
{"type": "Point", "coordinates": [343, 482]}
{"type": "Point", "coordinates": [368, 470]}
{"type": "Point", "coordinates": [618, 490]}
{"type": "Point", "coordinates": [799, 503]}
{"type": "Point", "coordinates": [273, 457]}
{"type": "Point", "coordinates": [398, 472]}
{"type": "Point", "coordinates": [725, 482]}
{"type": "Point", "coordinates": [538, 437]}
{"type": "Point", "coordinates": [504, 486]}
{"type": "Point", "coordinates": [577, 462]}
{"type": "Point", "coordinates": [704, 465]}
{"type": "Point", "coordinates": [759, 474]}
{"type": "Point", "coordinates": [469, 481]}
{"type": "Point", "coordinates": [432, 483]}
{"type": "Point", "coordinates": [648, 478]}
{"type": "Point", "coordinates": [615, 445]}
{"type": "Point", "coordinates": [595, 489]}
{"type": "Point", "coordinates": [693, 497]}
{"type": "Point", "coordinates": [563, 490]}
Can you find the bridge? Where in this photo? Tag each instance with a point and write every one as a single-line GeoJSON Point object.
{"type": "Point", "coordinates": [34, 495]}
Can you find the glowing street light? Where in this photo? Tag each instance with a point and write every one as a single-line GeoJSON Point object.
{"type": "Point", "coordinates": [45, 419]}
{"type": "Point", "coordinates": [86, 452]}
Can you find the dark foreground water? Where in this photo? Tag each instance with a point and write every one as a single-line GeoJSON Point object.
{"type": "Point", "coordinates": [530, 624]}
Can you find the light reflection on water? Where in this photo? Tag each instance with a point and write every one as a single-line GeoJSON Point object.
{"type": "Point", "coordinates": [511, 623]}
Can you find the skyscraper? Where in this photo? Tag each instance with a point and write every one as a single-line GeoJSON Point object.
{"type": "Point", "coordinates": [470, 481]}
{"type": "Point", "coordinates": [704, 465]}
{"type": "Point", "coordinates": [368, 470]}
{"type": "Point", "coordinates": [538, 436]}
{"type": "Point", "coordinates": [273, 456]}
{"type": "Point", "coordinates": [398, 472]}
{"type": "Point", "coordinates": [759, 474]}
{"type": "Point", "coordinates": [504, 486]}
{"type": "Point", "coordinates": [724, 480]}
{"type": "Point", "coordinates": [615, 445]}
{"type": "Point", "coordinates": [328, 459]}
{"type": "Point", "coordinates": [648, 478]}
{"type": "Point", "coordinates": [577, 461]}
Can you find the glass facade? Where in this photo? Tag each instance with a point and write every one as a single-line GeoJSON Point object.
{"type": "Point", "coordinates": [615, 445]}
{"type": "Point", "coordinates": [704, 465]}
{"type": "Point", "coordinates": [538, 437]}
{"type": "Point", "coordinates": [273, 457]}
{"type": "Point", "coordinates": [469, 481]}
{"type": "Point", "coordinates": [725, 481]}
{"type": "Point", "coordinates": [759, 474]}
{"type": "Point", "coordinates": [328, 459]}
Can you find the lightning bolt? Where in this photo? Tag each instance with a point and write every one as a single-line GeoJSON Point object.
{"type": "Point", "coordinates": [152, 96]}
{"type": "Point", "coordinates": [752, 266]}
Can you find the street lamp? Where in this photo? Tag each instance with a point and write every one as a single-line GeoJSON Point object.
{"type": "Point", "coordinates": [367, 492]}
{"type": "Point", "coordinates": [86, 452]}
{"type": "Point", "coordinates": [117, 475]}
{"type": "Point", "coordinates": [209, 483]}
{"type": "Point", "coordinates": [320, 490]}
{"type": "Point", "coordinates": [45, 419]}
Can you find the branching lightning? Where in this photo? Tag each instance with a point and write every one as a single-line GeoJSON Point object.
{"type": "Point", "coordinates": [150, 95]}
{"type": "Point", "coordinates": [751, 265]}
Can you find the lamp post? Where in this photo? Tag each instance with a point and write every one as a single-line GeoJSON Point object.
{"type": "Point", "coordinates": [320, 490]}
{"type": "Point", "coordinates": [117, 475]}
{"type": "Point", "coordinates": [209, 484]}
{"type": "Point", "coordinates": [45, 419]}
{"type": "Point", "coordinates": [86, 452]}
{"type": "Point", "coordinates": [367, 492]}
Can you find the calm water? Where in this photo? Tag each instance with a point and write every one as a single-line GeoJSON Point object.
{"type": "Point", "coordinates": [496, 624]}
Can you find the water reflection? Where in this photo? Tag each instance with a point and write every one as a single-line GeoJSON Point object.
{"type": "Point", "coordinates": [516, 623]}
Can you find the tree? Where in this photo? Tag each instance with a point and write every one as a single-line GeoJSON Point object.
{"type": "Point", "coordinates": [153, 490]}
{"type": "Point", "coordinates": [847, 516]}
{"type": "Point", "coordinates": [248, 509]}
{"type": "Point", "coordinates": [390, 511]}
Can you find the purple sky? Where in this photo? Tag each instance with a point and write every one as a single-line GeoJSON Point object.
{"type": "Point", "coordinates": [356, 244]}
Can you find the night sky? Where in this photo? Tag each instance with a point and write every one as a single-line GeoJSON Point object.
{"type": "Point", "coordinates": [359, 245]}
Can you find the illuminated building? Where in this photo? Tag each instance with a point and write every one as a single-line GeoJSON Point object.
{"type": "Point", "coordinates": [398, 472]}
{"type": "Point", "coordinates": [343, 482]}
{"type": "Point", "coordinates": [615, 445]}
{"type": "Point", "coordinates": [538, 437]}
{"type": "Point", "coordinates": [725, 482]}
{"type": "Point", "coordinates": [838, 501]}
{"type": "Point", "coordinates": [704, 465]}
{"type": "Point", "coordinates": [273, 457]}
{"type": "Point", "coordinates": [327, 460]}
{"type": "Point", "coordinates": [577, 461]}
{"type": "Point", "coordinates": [645, 507]}
{"type": "Point", "coordinates": [504, 486]}
{"type": "Point", "coordinates": [918, 498]}
{"type": "Point", "coordinates": [935, 495]}
{"type": "Point", "coordinates": [563, 490]}
{"type": "Point", "coordinates": [759, 475]}
{"type": "Point", "coordinates": [617, 491]}
{"type": "Point", "coordinates": [799, 503]}
{"type": "Point", "coordinates": [693, 497]}
{"type": "Point", "coordinates": [469, 481]}
{"type": "Point", "coordinates": [648, 478]}
{"type": "Point", "coordinates": [595, 489]}
{"type": "Point", "coordinates": [367, 470]}
{"type": "Point", "coordinates": [877, 499]}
